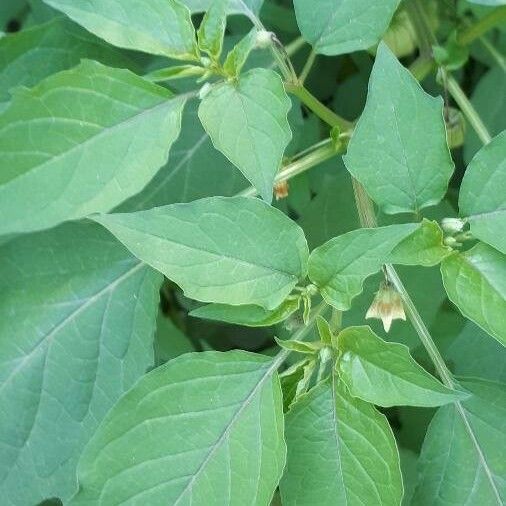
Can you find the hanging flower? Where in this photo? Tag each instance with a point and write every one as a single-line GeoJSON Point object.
{"type": "Point", "coordinates": [386, 306]}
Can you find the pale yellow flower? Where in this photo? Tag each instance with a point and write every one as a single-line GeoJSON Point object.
{"type": "Point", "coordinates": [387, 306]}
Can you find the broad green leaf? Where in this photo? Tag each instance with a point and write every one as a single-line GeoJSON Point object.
{"type": "Point", "coordinates": [482, 198]}
{"type": "Point", "coordinates": [204, 429]}
{"type": "Point", "coordinates": [212, 28]}
{"type": "Point", "coordinates": [250, 316]}
{"type": "Point", "coordinates": [247, 121]}
{"type": "Point", "coordinates": [462, 459]}
{"type": "Point", "coordinates": [230, 250]}
{"type": "Point", "coordinates": [60, 44]}
{"type": "Point", "coordinates": [186, 175]}
{"type": "Point", "coordinates": [62, 160]}
{"type": "Point", "coordinates": [170, 342]}
{"type": "Point", "coordinates": [491, 107]}
{"type": "Point", "coordinates": [77, 316]}
{"type": "Point", "coordinates": [237, 56]}
{"type": "Point", "coordinates": [475, 282]}
{"type": "Point", "coordinates": [340, 266]}
{"type": "Point", "coordinates": [398, 150]}
{"type": "Point", "coordinates": [343, 26]}
{"type": "Point", "coordinates": [474, 353]}
{"type": "Point", "coordinates": [161, 27]}
{"type": "Point", "coordinates": [340, 451]}
{"type": "Point", "coordinates": [385, 373]}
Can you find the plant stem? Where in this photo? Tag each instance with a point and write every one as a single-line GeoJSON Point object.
{"type": "Point", "coordinates": [496, 55]}
{"type": "Point", "coordinates": [367, 217]}
{"type": "Point", "coordinates": [307, 67]}
{"type": "Point", "coordinates": [422, 67]}
{"type": "Point", "coordinates": [323, 112]}
{"type": "Point", "coordinates": [294, 46]}
{"type": "Point", "coordinates": [314, 158]}
{"type": "Point", "coordinates": [421, 328]}
{"type": "Point", "coordinates": [468, 110]}
{"type": "Point", "coordinates": [302, 333]}
{"type": "Point", "coordinates": [494, 18]}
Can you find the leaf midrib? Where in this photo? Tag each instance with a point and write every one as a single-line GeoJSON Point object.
{"type": "Point", "coordinates": [102, 133]}
{"type": "Point", "coordinates": [212, 253]}
{"type": "Point", "coordinates": [267, 375]}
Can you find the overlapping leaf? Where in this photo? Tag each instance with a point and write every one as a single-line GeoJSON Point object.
{"type": "Point", "coordinates": [233, 250]}
{"type": "Point", "coordinates": [82, 141]}
{"type": "Point", "coordinates": [340, 266]}
{"type": "Point", "coordinates": [247, 121]}
{"type": "Point", "coordinates": [482, 198]}
{"type": "Point", "coordinates": [162, 27]}
{"type": "Point", "coordinates": [77, 316]}
{"type": "Point", "coordinates": [340, 451]}
{"type": "Point", "coordinates": [385, 374]}
{"type": "Point", "coordinates": [249, 316]}
{"type": "Point", "coordinates": [343, 26]}
{"type": "Point", "coordinates": [204, 429]}
{"type": "Point", "coordinates": [476, 283]}
{"type": "Point", "coordinates": [462, 459]}
{"type": "Point", "coordinates": [59, 44]}
{"type": "Point", "coordinates": [398, 150]}
{"type": "Point", "coordinates": [194, 170]}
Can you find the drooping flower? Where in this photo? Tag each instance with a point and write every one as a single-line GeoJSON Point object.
{"type": "Point", "coordinates": [387, 306]}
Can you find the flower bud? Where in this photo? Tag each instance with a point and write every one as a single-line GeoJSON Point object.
{"type": "Point", "coordinates": [452, 225]}
{"type": "Point", "coordinates": [386, 306]}
{"type": "Point", "coordinates": [263, 39]}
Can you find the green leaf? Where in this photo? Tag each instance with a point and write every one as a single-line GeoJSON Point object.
{"type": "Point", "coordinates": [170, 342]}
{"type": "Point", "coordinates": [250, 316]}
{"type": "Point", "coordinates": [60, 43]}
{"type": "Point", "coordinates": [462, 459]}
{"type": "Point", "coordinates": [340, 266]}
{"type": "Point", "coordinates": [475, 282]}
{"type": "Point", "coordinates": [203, 429]}
{"type": "Point", "coordinates": [230, 250]}
{"type": "Point", "coordinates": [212, 28]}
{"type": "Point", "coordinates": [482, 198]}
{"type": "Point", "coordinates": [161, 27]}
{"type": "Point", "coordinates": [77, 316]}
{"type": "Point", "coordinates": [340, 451]}
{"type": "Point", "coordinates": [247, 121]}
{"type": "Point", "coordinates": [398, 150]}
{"type": "Point", "coordinates": [311, 348]}
{"type": "Point", "coordinates": [185, 177]}
{"type": "Point", "coordinates": [474, 353]}
{"type": "Point", "coordinates": [81, 159]}
{"type": "Point", "coordinates": [385, 373]}
{"type": "Point", "coordinates": [237, 56]}
{"type": "Point", "coordinates": [343, 26]}
{"type": "Point", "coordinates": [490, 106]}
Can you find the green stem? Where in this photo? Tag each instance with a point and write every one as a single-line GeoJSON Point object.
{"type": "Point", "coordinates": [496, 55]}
{"type": "Point", "coordinates": [314, 158]}
{"type": "Point", "coordinates": [367, 217]}
{"type": "Point", "coordinates": [494, 18]}
{"type": "Point", "coordinates": [422, 67]}
{"type": "Point", "coordinates": [468, 110]}
{"type": "Point", "coordinates": [323, 112]}
{"type": "Point", "coordinates": [424, 36]}
{"type": "Point", "coordinates": [294, 46]}
{"type": "Point", "coordinates": [307, 67]}
{"type": "Point", "coordinates": [420, 328]}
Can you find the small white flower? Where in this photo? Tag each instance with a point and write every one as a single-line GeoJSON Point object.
{"type": "Point", "coordinates": [387, 306]}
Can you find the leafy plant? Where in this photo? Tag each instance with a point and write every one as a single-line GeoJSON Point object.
{"type": "Point", "coordinates": [191, 237]}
